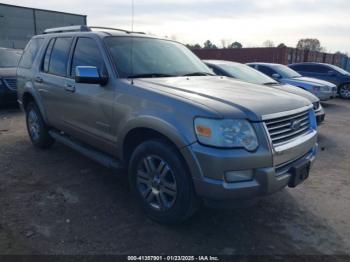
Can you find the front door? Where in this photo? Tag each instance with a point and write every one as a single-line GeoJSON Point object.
{"type": "Point", "coordinates": [89, 107]}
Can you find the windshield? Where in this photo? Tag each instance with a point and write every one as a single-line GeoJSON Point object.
{"type": "Point", "coordinates": [285, 71]}
{"type": "Point", "coordinates": [153, 58]}
{"type": "Point", "coordinates": [9, 58]}
{"type": "Point", "coordinates": [340, 70]}
{"type": "Point", "coordinates": [247, 74]}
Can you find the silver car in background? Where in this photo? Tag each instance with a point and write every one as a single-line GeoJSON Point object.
{"type": "Point", "coordinates": [8, 65]}
{"type": "Point", "coordinates": [322, 89]}
{"type": "Point", "coordinates": [250, 75]}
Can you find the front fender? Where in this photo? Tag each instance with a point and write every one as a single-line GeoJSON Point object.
{"type": "Point", "coordinates": [181, 136]}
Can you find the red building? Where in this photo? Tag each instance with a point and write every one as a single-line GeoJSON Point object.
{"type": "Point", "coordinates": [280, 55]}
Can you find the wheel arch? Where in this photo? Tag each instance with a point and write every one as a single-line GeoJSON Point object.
{"type": "Point", "coordinates": [146, 128]}
{"type": "Point", "coordinates": [28, 97]}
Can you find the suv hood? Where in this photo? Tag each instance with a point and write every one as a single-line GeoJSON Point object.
{"type": "Point", "coordinates": [8, 72]}
{"type": "Point", "coordinates": [307, 80]}
{"type": "Point", "coordinates": [228, 97]}
{"type": "Point", "coordinates": [297, 91]}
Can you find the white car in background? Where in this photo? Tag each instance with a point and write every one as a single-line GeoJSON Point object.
{"type": "Point", "coordinates": [250, 75]}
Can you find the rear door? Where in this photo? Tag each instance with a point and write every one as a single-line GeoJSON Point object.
{"type": "Point", "coordinates": [322, 72]}
{"type": "Point", "coordinates": [89, 107]}
{"type": "Point", "coordinates": [51, 79]}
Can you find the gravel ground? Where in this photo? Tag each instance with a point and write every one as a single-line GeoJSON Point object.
{"type": "Point", "coordinates": [59, 202]}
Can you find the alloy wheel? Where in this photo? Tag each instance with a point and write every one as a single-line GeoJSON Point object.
{"type": "Point", "coordinates": [156, 182]}
{"type": "Point", "coordinates": [345, 91]}
{"type": "Point", "coordinates": [33, 125]}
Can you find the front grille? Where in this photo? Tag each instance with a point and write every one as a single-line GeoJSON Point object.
{"type": "Point", "coordinates": [284, 129]}
{"type": "Point", "coordinates": [11, 83]}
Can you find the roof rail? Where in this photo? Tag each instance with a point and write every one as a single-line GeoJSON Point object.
{"type": "Point", "coordinates": [115, 29]}
{"type": "Point", "coordinates": [75, 28]}
{"type": "Point", "coordinates": [83, 28]}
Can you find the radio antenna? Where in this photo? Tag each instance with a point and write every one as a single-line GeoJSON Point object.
{"type": "Point", "coordinates": [132, 42]}
{"type": "Point", "coordinates": [132, 15]}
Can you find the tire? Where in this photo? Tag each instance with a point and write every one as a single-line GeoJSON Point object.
{"type": "Point", "coordinates": [36, 127]}
{"type": "Point", "coordinates": [344, 91]}
{"type": "Point", "coordinates": [161, 183]}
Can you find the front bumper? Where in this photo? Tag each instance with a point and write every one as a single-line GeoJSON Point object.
{"type": "Point", "coordinates": [272, 170]}
{"type": "Point", "coordinates": [324, 95]}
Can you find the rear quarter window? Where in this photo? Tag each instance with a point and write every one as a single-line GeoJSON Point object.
{"type": "Point", "coordinates": [30, 53]}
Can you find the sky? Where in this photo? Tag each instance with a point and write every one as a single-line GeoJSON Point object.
{"type": "Point", "coordinates": [250, 22]}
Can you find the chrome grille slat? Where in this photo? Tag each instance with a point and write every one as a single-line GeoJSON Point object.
{"type": "Point", "coordinates": [291, 134]}
{"type": "Point", "coordinates": [281, 129]}
{"type": "Point", "coordinates": [11, 83]}
{"type": "Point", "coordinates": [278, 120]}
{"type": "Point", "coordinates": [287, 129]}
{"type": "Point", "coordinates": [287, 122]}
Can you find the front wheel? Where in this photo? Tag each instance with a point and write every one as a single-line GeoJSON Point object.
{"type": "Point", "coordinates": [37, 129]}
{"type": "Point", "coordinates": [161, 182]}
{"type": "Point", "coordinates": [344, 91]}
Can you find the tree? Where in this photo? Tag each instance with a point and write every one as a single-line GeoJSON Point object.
{"type": "Point", "coordinates": [310, 44]}
{"type": "Point", "coordinates": [209, 44]}
{"type": "Point", "coordinates": [195, 46]}
{"type": "Point", "coordinates": [235, 45]}
{"type": "Point", "coordinates": [268, 43]}
{"type": "Point", "coordinates": [281, 45]}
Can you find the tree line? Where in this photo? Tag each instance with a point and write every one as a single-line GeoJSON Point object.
{"type": "Point", "coordinates": [309, 44]}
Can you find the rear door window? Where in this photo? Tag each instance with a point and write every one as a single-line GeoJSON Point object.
{"type": "Point", "coordinates": [315, 69]}
{"type": "Point", "coordinates": [30, 53]}
{"type": "Point", "coordinates": [59, 56]}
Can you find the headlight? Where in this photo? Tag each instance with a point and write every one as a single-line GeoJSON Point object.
{"type": "Point", "coordinates": [320, 88]}
{"type": "Point", "coordinates": [228, 133]}
{"type": "Point", "coordinates": [316, 105]}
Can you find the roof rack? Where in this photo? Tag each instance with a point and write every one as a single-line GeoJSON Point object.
{"type": "Point", "coordinates": [115, 29]}
{"type": "Point", "coordinates": [74, 28]}
{"type": "Point", "coordinates": [84, 28]}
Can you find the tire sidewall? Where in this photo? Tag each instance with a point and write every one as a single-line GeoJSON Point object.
{"type": "Point", "coordinates": [44, 140]}
{"type": "Point", "coordinates": [340, 88]}
{"type": "Point", "coordinates": [185, 194]}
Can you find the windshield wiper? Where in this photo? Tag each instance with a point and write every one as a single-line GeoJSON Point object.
{"type": "Point", "coordinates": [198, 74]}
{"type": "Point", "coordinates": [150, 75]}
{"type": "Point", "coordinates": [270, 83]}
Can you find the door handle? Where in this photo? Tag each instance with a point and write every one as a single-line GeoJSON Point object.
{"type": "Point", "coordinates": [39, 79]}
{"type": "Point", "coordinates": [69, 87]}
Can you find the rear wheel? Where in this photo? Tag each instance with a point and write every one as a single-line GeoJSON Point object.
{"type": "Point", "coordinates": [344, 91]}
{"type": "Point", "coordinates": [37, 129]}
{"type": "Point", "coordinates": [161, 182]}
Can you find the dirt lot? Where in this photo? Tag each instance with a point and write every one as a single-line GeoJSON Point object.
{"type": "Point", "coordinates": [58, 202]}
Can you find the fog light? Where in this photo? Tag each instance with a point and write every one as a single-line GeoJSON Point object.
{"type": "Point", "coordinates": [238, 176]}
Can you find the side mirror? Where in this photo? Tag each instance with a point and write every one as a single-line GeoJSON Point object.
{"type": "Point", "coordinates": [89, 75]}
{"type": "Point", "coordinates": [276, 76]}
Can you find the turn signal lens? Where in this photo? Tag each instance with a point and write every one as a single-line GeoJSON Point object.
{"type": "Point", "coordinates": [203, 131]}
